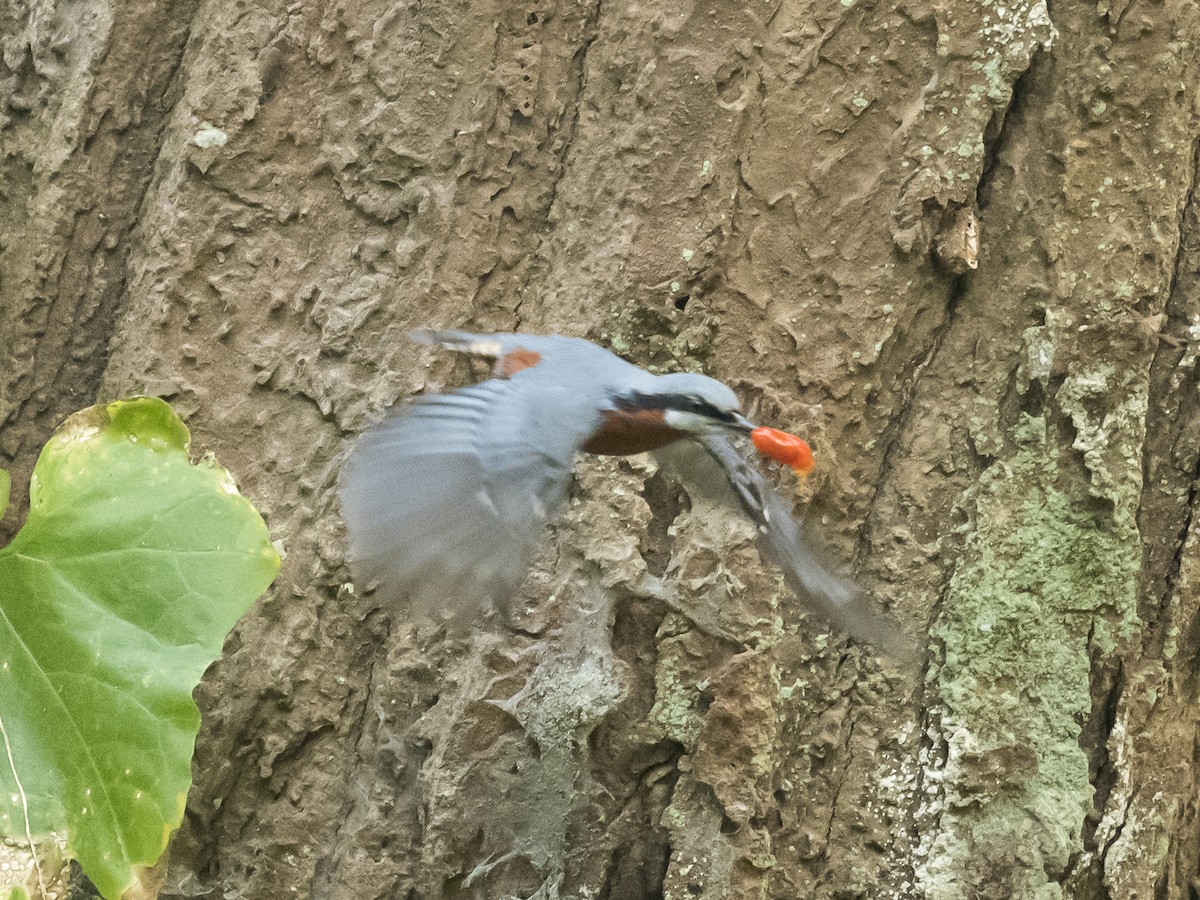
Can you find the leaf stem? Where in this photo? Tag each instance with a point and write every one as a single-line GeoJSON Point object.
{"type": "Point", "coordinates": [12, 766]}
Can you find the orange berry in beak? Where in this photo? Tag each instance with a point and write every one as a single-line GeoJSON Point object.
{"type": "Point", "coordinates": [784, 448]}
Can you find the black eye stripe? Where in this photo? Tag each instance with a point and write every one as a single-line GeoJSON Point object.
{"type": "Point", "coordinates": [685, 402]}
{"type": "Point", "coordinates": [711, 411]}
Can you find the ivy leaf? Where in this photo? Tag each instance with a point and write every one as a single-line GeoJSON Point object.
{"type": "Point", "coordinates": [4, 485]}
{"type": "Point", "coordinates": [115, 596]}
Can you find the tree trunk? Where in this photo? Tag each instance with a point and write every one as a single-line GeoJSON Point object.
{"type": "Point", "coordinates": [956, 245]}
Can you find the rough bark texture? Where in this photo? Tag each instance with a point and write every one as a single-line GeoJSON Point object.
{"type": "Point", "coordinates": [244, 207]}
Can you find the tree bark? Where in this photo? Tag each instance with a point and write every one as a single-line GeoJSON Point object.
{"type": "Point", "coordinates": [956, 245]}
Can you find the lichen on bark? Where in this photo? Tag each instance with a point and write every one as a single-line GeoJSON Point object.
{"type": "Point", "coordinates": [1038, 572]}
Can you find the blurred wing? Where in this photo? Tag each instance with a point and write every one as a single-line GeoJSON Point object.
{"type": "Point", "coordinates": [714, 469]}
{"type": "Point", "coordinates": [444, 501]}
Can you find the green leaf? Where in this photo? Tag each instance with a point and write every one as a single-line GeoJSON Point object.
{"type": "Point", "coordinates": [4, 483]}
{"type": "Point", "coordinates": [115, 596]}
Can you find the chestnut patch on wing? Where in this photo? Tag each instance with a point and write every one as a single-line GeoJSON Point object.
{"type": "Point", "coordinates": [623, 432]}
{"type": "Point", "coordinates": [515, 361]}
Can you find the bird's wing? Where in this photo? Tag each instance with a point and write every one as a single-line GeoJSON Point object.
{"type": "Point", "coordinates": [444, 501]}
{"type": "Point", "coordinates": [712, 467]}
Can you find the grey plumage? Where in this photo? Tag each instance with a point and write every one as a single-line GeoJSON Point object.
{"type": "Point", "coordinates": [446, 499]}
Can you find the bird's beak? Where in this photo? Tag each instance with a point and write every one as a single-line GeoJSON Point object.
{"type": "Point", "coordinates": [741, 423]}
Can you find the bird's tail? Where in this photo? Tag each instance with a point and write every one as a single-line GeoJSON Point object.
{"type": "Point", "coordinates": [713, 468]}
{"type": "Point", "coordinates": [459, 341]}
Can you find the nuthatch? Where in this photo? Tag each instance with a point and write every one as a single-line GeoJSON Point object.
{"type": "Point", "coordinates": [444, 501]}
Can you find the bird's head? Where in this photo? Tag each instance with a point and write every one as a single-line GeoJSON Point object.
{"type": "Point", "coordinates": [697, 404]}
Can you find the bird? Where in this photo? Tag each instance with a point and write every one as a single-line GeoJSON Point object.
{"type": "Point", "coordinates": [445, 500]}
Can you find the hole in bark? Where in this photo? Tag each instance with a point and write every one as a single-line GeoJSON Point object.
{"type": "Point", "coordinates": [771, 820]}
{"type": "Point", "coordinates": [641, 855]}
{"type": "Point", "coordinates": [664, 500]}
{"type": "Point", "coordinates": [682, 302]}
{"type": "Point", "coordinates": [728, 826]}
{"type": "Point", "coordinates": [532, 20]}
{"type": "Point", "coordinates": [1000, 128]}
{"type": "Point", "coordinates": [1034, 399]}
{"type": "Point", "coordinates": [731, 83]}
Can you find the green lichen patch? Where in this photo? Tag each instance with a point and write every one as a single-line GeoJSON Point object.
{"type": "Point", "coordinates": [1014, 684]}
